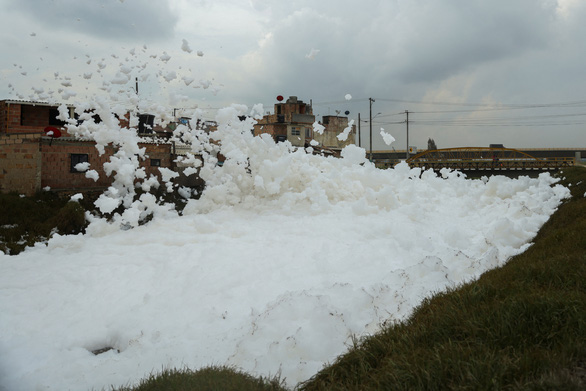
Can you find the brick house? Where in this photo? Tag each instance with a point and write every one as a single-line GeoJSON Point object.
{"type": "Point", "coordinates": [30, 160]}
{"type": "Point", "coordinates": [293, 121]}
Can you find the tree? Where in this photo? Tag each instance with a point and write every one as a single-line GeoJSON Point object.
{"type": "Point", "coordinates": [431, 145]}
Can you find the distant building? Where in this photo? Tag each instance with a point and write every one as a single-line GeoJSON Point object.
{"type": "Point", "coordinates": [31, 160]}
{"type": "Point", "coordinates": [334, 126]}
{"type": "Point", "coordinates": [293, 121]}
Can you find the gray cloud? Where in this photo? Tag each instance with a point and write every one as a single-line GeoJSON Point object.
{"type": "Point", "coordinates": [415, 41]}
{"type": "Point", "coordinates": [128, 21]}
{"type": "Point", "coordinates": [448, 39]}
{"type": "Point", "coordinates": [469, 51]}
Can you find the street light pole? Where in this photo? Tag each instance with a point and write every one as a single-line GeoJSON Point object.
{"type": "Point", "coordinates": [407, 121]}
{"type": "Point", "coordinates": [359, 131]}
{"type": "Point", "coordinates": [370, 124]}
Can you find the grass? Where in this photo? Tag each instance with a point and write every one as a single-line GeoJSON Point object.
{"type": "Point", "coordinates": [206, 379]}
{"type": "Point", "coordinates": [25, 221]}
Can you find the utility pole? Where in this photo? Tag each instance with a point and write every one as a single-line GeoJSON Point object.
{"type": "Point", "coordinates": [359, 130]}
{"type": "Point", "coordinates": [370, 123]}
{"type": "Point", "coordinates": [407, 122]}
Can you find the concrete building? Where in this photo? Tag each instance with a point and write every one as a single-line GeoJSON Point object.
{"type": "Point", "coordinates": [335, 125]}
{"type": "Point", "coordinates": [293, 121]}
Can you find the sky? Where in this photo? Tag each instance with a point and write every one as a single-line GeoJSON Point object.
{"type": "Point", "coordinates": [470, 73]}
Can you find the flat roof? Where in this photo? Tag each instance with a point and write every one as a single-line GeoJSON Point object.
{"type": "Point", "coordinates": [34, 103]}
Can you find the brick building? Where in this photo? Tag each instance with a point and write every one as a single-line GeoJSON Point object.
{"type": "Point", "coordinates": [293, 121]}
{"type": "Point", "coordinates": [30, 160]}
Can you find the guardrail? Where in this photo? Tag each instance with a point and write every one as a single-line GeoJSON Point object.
{"type": "Point", "coordinates": [486, 159]}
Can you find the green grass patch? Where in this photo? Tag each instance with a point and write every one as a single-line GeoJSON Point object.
{"type": "Point", "coordinates": [206, 379]}
{"type": "Point", "coordinates": [25, 221]}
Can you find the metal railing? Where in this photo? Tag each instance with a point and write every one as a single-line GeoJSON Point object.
{"type": "Point", "coordinates": [486, 159]}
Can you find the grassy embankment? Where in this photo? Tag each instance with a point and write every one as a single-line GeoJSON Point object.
{"type": "Point", "coordinates": [518, 327]}
{"type": "Point", "coordinates": [25, 221]}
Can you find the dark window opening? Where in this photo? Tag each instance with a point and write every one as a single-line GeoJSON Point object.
{"type": "Point", "coordinates": [156, 162]}
{"type": "Point", "coordinates": [145, 123]}
{"type": "Point", "coordinates": [53, 114]}
{"type": "Point", "coordinates": [278, 109]}
{"type": "Point", "coordinates": [77, 158]}
{"type": "Point", "coordinates": [95, 117]}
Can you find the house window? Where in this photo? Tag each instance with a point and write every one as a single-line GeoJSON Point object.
{"type": "Point", "coordinates": [156, 162]}
{"type": "Point", "coordinates": [77, 158]}
{"type": "Point", "coordinates": [53, 114]}
{"type": "Point", "coordinates": [295, 131]}
{"type": "Point", "coordinates": [307, 133]}
{"type": "Point", "coordinates": [96, 118]}
{"type": "Point", "coordinates": [145, 123]}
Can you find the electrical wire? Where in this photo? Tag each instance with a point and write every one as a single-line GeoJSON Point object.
{"type": "Point", "coordinates": [499, 106]}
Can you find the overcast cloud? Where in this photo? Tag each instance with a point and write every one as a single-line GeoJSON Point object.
{"type": "Point", "coordinates": [119, 21]}
{"type": "Point", "coordinates": [424, 56]}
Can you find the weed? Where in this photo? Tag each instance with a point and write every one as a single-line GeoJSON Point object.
{"type": "Point", "coordinates": [25, 221]}
{"type": "Point", "coordinates": [206, 379]}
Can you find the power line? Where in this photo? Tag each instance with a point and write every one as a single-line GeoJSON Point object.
{"type": "Point", "coordinates": [578, 103]}
{"type": "Point", "coordinates": [485, 110]}
{"type": "Point", "coordinates": [533, 117]}
{"type": "Point", "coordinates": [501, 125]}
{"type": "Point", "coordinates": [339, 102]}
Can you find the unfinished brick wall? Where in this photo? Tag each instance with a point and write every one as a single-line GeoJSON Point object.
{"type": "Point", "coordinates": [56, 165]}
{"type": "Point", "coordinates": [3, 117]}
{"type": "Point", "coordinates": [160, 154]}
{"type": "Point", "coordinates": [30, 162]}
{"type": "Point", "coordinates": [272, 128]}
{"type": "Point", "coordinates": [10, 119]}
{"type": "Point", "coordinates": [18, 117]}
{"type": "Point", "coordinates": [20, 162]}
